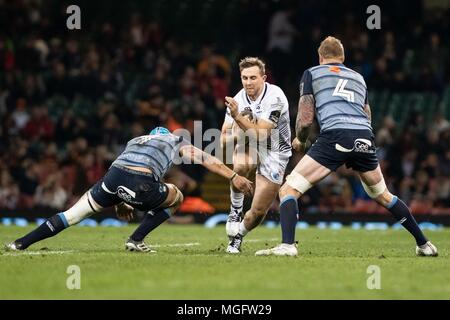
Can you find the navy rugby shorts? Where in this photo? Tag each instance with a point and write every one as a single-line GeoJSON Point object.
{"type": "Point", "coordinates": [354, 148]}
{"type": "Point", "coordinates": [138, 189]}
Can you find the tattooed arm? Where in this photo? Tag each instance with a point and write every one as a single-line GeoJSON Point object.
{"type": "Point", "coordinates": [368, 111]}
{"type": "Point", "coordinates": [305, 117]}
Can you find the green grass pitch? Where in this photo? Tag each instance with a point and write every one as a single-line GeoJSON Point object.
{"type": "Point", "coordinates": [191, 264]}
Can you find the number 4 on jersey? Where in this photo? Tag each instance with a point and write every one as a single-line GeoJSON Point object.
{"type": "Point", "coordinates": [341, 92]}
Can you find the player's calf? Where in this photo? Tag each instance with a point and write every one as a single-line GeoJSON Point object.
{"type": "Point", "coordinates": [237, 203]}
{"type": "Point", "coordinates": [295, 185]}
{"type": "Point", "coordinates": [399, 210]}
{"type": "Point", "coordinates": [154, 219]}
{"type": "Point", "coordinates": [55, 224]}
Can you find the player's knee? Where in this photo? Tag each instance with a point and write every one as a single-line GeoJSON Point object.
{"type": "Point", "coordinates": [377, 191]}
{"type": "Point", "coordinates": [259, 211]}
{"type": "Point", "coordinates": [177, 197]}
{"type": "Point", "coordinates": [297, 182]}
{"type": "Point", "coordinates": [286, 190]}
{"type": "Point", "coordinates": [385, 198]}
{"type": "Point", "coordinates": [84, 207]}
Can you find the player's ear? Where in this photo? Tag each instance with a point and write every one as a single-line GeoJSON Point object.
{"type": "Point", "coordinates": [264, 77]}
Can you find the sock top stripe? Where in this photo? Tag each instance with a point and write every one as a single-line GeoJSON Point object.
{"type": "Point", "coordinates": [63, 218]}
{"type": "Point", "coordinates": [287, 198]}
{"type": "Point", "coordinates": [393, 202]}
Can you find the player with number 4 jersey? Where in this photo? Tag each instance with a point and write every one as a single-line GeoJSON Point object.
{"type": "Point", "coordinates": [337, 96]}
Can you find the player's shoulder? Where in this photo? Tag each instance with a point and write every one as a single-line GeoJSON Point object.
{"type": "Point", "coordinates": [323, 69]}
{"type": "Point", "coordinates": [138, 140]}
{"type": "Point", "coordinates": [353, 72]}
{"type": "Point", "coordinates": [240, 96]}
{"type": "Point", "coordinates": [331, 67]}
{"type": "Point", "coordinates": [275, 97]}
{"type": "Point", "coordinates": [274, 90]}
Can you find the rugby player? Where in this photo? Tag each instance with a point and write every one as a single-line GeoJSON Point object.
{"type": "Point", "coordinates": [269, 122]}
{"type": "Point", "coordinates": [133, 182]}
{"type": "Point", "coordinates": [337, 96]}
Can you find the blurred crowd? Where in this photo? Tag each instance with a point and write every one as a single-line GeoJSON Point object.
{"type": "Point", "coordinates": [415, 160]}
{"type": "Point", "coordinates": [70, 100]}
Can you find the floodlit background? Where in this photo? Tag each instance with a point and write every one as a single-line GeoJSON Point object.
{"type": "Point", "coordinates": [70, 99]}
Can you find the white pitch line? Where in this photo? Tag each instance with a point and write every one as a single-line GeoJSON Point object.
{"type": "Point", "coordinates": [34, 253]}
{"type": "Point", "coordinates": [190, 244]}
{"type": "Point", "coordinates": [259, 240]}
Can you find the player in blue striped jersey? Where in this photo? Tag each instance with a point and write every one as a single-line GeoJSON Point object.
{"type": "Point", "coordinates": [134, 182]}
{"type": "Point", "coordinates": [337, 96]}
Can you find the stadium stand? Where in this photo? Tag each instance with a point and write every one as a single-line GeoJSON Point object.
{"type": "Point", "coordinates": [69, 100]}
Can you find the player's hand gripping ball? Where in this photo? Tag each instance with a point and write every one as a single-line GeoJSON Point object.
{"type": "Point", "coordinates": [237, 132]}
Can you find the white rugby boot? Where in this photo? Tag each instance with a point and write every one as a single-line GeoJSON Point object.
{"type": "Point", "coordinates": [427, 250]}
{"type": "Point", "coordinates": [233, 221]}
{"type": "Point", "coordinates": [137, 246]}
{"type": "Point", "coordinates": [13, 246]}
{"type": "Point", "coordinates": [235, 244]}
{"type": "Point", "coordinates": [283, 249]}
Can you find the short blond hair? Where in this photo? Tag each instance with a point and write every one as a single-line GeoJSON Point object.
{"type": "Point", "coordinates": [331, 48]}
{"type": "Point", "coordinates": [249, 62]}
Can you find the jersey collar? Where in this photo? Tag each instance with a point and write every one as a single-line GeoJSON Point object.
{"type": "Point", "coordinates": [335, 64]}
{"type": "Point", "coordinates": [261, 96]}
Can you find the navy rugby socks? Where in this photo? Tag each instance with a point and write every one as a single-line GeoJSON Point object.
{"type": "Point", "coordinates": [149, 223]}
{"type": "Point", "coordinates": [403, 215]}
{"type": "Point", "coordinates": [288, 219]}
{"type": "Point", "coordinates": [52, 226]}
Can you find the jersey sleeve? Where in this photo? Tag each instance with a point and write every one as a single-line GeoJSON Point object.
{"type": "Point", "coordinates": [228, 118]}
{"type": "Point", "coordinates": [180, 142]}
{"type": "Point", "coordinates": [306, 83]}
{"type": "Point", "coordinates": [366, 99]}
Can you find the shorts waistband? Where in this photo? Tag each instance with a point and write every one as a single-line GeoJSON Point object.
{"type": "Point", "coordinates": [337, 130]}
{"type": "Point", "coordinates": [147, 174]}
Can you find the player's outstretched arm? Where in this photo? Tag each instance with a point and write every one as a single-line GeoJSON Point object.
{"type": "Point", "coordinates": [226, 135]}
{"type": "Point", "coordinates": [213, 164]}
